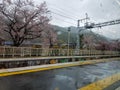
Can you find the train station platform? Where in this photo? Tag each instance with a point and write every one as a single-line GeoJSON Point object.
{"type": "Point", "coordinates": [97, 76]}
{"type": "Point", "coordinates": [108, 83]}
{"type": "Point", "coordinates": [29, 69]}
{"type": "Point", "coordinates": [114, 86]}
{"type": "Point", "coordinates": [118, 88]}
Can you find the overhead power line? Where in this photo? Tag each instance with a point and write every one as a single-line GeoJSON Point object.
{"type": "Point", "coordinates": [64, 13]}
{"type": "Point", "coordinates": [63, 9]}
{"type": "Point", "coordinates": [63, 16]}
{"type": "Point", "coordinates": [64, 21]}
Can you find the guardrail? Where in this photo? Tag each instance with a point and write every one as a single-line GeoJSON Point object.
{"type": "Point", "coordinates": [30, 52]}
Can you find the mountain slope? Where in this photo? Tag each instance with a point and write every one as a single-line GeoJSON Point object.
{"type": "Point", "coordinates": [63, 35]}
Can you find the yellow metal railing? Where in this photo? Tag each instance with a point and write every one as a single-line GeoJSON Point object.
{"type": "Point", "coordinates": [29, 51]}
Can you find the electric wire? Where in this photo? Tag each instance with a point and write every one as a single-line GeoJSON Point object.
{"type": "Point", "coordinates": [59, 19]}
{"type": "Point", "coordinates": [64, 13]}
{"type": "Point", "coordinates": [63, 16]}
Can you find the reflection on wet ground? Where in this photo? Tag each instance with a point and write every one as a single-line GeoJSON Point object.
{"type": "Point", "coordinates": [69, 78]}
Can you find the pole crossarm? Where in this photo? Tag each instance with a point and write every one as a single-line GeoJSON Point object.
{"type": "Point", "coordinates": [108, 23]}
{"type": "Point", "coordinates": [113, 22]}
{"type": "Point", "coordinates": [89, 25]}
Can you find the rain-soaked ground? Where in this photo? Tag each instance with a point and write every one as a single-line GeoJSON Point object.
{"type": "Point", "coordinates": [70, 78]}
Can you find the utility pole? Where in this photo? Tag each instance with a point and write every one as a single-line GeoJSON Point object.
{"type": "Point", "coordinates": [69, 29]}
{"type": "Point", "coordinates": [78, 39]}
{"type": "Point", "coordinates": [79, 30]}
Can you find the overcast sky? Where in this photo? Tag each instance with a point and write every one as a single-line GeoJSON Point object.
{"type": "Point", "coordinates": [66, 13]}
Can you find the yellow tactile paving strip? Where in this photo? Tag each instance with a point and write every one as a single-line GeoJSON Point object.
{"type": "Point", "coordinates": [23, 70]}
{"type": "Point", "coordinates": [102, 84]}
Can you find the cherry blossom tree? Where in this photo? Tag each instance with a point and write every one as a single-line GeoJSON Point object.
{"type": "Point", "coordinates": [102, 45]}
{"type": "Point", "coordinates": [23, 19]}
{"type": "Point", "coordinates": [88, 42]}
{"type": "Point", "coordinates": [115, 45]}
{"type": "Point", "coordinates": [49, 36]}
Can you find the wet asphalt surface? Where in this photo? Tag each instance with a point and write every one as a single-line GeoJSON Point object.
{"type": "Point", "coordinates": [70, 78]}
